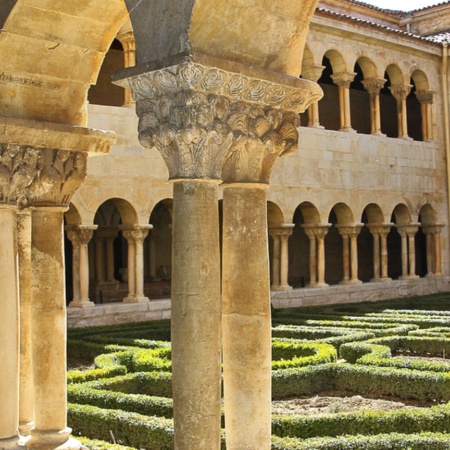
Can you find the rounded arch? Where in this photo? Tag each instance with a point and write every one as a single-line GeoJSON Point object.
{"type": "Point", "coordinates": [309, 212]}
{"type": "Point", "coordinates": [308, 58]}
{"type": "Point", "coordinates": [344, 214]}
{"type": "Point", "coordinates": [274, 213]}
{"type": "Point", "coordinates": [337, 61]}
{"type": "Point", "coordinates": [401, 215]}
{"type": "Point", "coordinates": [395, 74]}
{"type": "Point", "coordinates": [428, 215]}
{"type": "Point", "coordinates": [72, 215]}
{"type": "Point", "coordinates": [58, 56]}
{"type": "Point", "coordinates": [114, 211]}
{"type": "Point", "coordinates": [373, 213]}
{"type": "Point", "coordinates": [420, 80]}
{"type": "Point", "coordinates": [368, 67]}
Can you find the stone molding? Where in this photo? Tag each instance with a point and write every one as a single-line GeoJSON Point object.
{"type": "Point", "coordinates": [373, 85]}
{"type": "Point", "coordinates": [47, 135]}
{"type": "Point", "coordinates": [425, 96]}
{"type": "Point", "coordinates": [189, 75]}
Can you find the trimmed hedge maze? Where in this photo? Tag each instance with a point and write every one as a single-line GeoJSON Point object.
{"type": "Point", "coordinates": [123, 399]}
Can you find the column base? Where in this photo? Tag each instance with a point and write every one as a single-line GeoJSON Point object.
{"type": "Point", "coordinates": [348, 130]}
{"type": "Point", "coordinates": [84, 303]}
{"type": "Point", "coordinates": [10, 444]}
{"type": "Point", "coordinates": [52, 440]}
{"type": "Point", "coordinates": [318, 285]}
{"type": "Point", "coordinates": [409, 277]}
{"type": "Point", "coordinates": [134, 299]}
{"type": "Point", "coordinates": [25, 428]}
{"type": "Point", "coordinates": [350, 282]}
{"type": "Point", "coordinates": [281, 287]}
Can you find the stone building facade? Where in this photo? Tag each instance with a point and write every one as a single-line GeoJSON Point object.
{"type": "Point", "coordinates": [359, 212]}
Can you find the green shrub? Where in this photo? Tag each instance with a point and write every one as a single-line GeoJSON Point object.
{"type": "Point", "coordinates": [287, 354]}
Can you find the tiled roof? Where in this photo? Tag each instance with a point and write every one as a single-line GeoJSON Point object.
{"type": "Point", "coordinates": [325, 11]}
{"type": "Point", "coordinates": [439, 38]}
{"type": "Point", "coordinates": [395, 11]}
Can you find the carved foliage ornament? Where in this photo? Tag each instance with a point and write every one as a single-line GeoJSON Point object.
{"type": "Point", "coordinates": [211, 80]}
{"type": "Point", "coordinates": [31, 176]}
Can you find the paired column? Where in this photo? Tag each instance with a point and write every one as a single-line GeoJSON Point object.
{"type": "Point", "coordinates": [400, 93]}
{"type": "Point", "coordinates": [209, 124]}
{"type": "Point", "coordinates": [380, 252]}
{"type": "Point", "coordinates": [373, 87]}
{"type": "Point", "coordinates": [433, 240]}
{"type": "Point", "coordinates": [316, 235]}
{"type": "Point", "coordinates": [26, 409]}
{"type": "Point", "coordinates": [350, 252]}
{"type": "Point", "coordinates": [43, 179]}
{"type": "Point", "coordinates": [425, 98]}
{"type": "Point", "coordinates": [9, 321]}
{"type": "Point", "coordinates": [135, 238]}
{"type": "Point", "coordinates": [408, 233]}
{"type": "Point", "coordinates": [313, 73]}
{"type": "Point", "coordinates": [80, 235]}
{"type": "Point", "coordinates": [280, 262]}
{"type": "Point", "coordinates": [126, 38]}
{"type": "Point", "coordinates": [343, 81]}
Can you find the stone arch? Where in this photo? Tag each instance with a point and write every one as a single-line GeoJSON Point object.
{"type": "Point", "coordinates": [388, 104]}
{"type": "Point", "coordinates": [401, 216]}
{"type": "Point", "coordinates": [420, 80]}
{"type": "Point", "coordinates": [418, 105]}
{"type": "Point", "coordinates": [372, 215]}
{"type": "Point", "coordinates": [58, 54]}
{"type": "Point", "coordinates": [395, 74]}
{"type": "Point", "coordinates": [299, 247]}
{"type": "Point", "coordinates": [359, 97]}
{"type": "Point", "coordinates": [308, 58]}
{"type": "Point", "coordinates": [274, 214]}
{"type": "Point", "coordinates": [337, 61]}
{"type": "Point", "coordinates": [72, 215]}
{"type": "Point", "coordinates": [115, 211]}
{"type": "Point", "coordinates": [427, 215]}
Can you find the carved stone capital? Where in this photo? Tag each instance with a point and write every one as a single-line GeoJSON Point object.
{"type": "Point", "coordinates": [343, 79]}
{"type": "Point", "coordinates": [80, 234]}
{"type": "Point", "coordinates": [380, 229]}
{"type": "Point", "coordinates": [43, 164]}
{"type": "Point", "coordinates": [409, 230]}
{"type": "Point", "coordinates": [137, 233]}
{"type": "Point", "coordinates": [316, 231]}
{"type": "Point", "coordinates": [400, 91]}
{"type": "Point", "coordinates": [374, 85]}
{"type": "Point", "coordinates": [425, 96]}
{"type": "Point", "coordinates": [31, 176]}
{"type": "Point", "coordinates": [433, 230]}
{"type": "Point", "coordinates": [197, 116]}
{"type": "Point", "coordinates": [312, 73]}
{"type": "Point", "coordinates": [349, 230]}
{"type": "Point", "coordinates": [281, 229]}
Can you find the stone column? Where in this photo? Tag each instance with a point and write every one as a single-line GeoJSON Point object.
{"type": "Point", "coordinates": [408, 232]}
{"type": "Point", "coordinates": [275, 260]}
{"type": "Point", "coordinates": [100, 257]}
{"type": "Point", "coordinates": [80, 235]}
{"type": "Point", "coordinates": [72, 235]}
{"type": "Point", "coordinates": [135, 238]}
{"type": "Point", "coordinates": [199, 117]}
{"type": "Point", "coordinates": [131, 269]}
{"type": "Point", "coordinates": [152, 256]}
{"type": "Point", "coordinates": [44, 179]}
{"type": "Point", "coordinates": [280, 264]}
{"type": "Point", "coordinates": [436, 232]}
{"type": "Point", "coordinates": [312, 255]}
{"type": "Point", "coordinates": [321, 231]}
{"type": "Point", "coordinates": [380, 255]}
{"type": "Point", "coordinates": [26, 408]}
{"type": "Point", "coordinates": [349, 235]}
{"type": "Point", "coordinates": [373, 87]}
{"type": "Point", "coordinates": [126, 38]}
{"type": "Point", "coordinates": [343, 81]}
{"type": "Point", "coordinates": [400, 93]}
{"type": "Point", "coordinates": [429, 252]}
{"type": "Point", "coordinates": [313, 73]}
{"type": "Point", "coordinates": [425, 98]}
{"type": "Point", "coordinates": [9, 317]}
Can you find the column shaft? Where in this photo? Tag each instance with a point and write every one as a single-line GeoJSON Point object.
{"type": "Point", "coordinates": [110, 259]}
{"type": "Point", "coordinates": [412, 256]}
{"type": "Point", "coordinates": [312, 262]}
{"type": "Point", "coordinates": [430, 265]}
{"type": "Point", "coordinates": [354, 258]}
{"type": "Point", "coordinates": [313, 115]}
{"type": "Point", "coordinates": [345, 258]}
{"type": "Point", "coordinates": [100, 259]}
{"type": "Point", "coordinates": [384, 257]}
{"type": "Point", "coordinates": [9, 332]}
{"type": "Point", "coordinates": [376, 256]}
{"type": "Point", "coordinates": [131, 261]}
{"type": "Point", "coordinates": [284, 261]}
{"type": "Point", "coordinates": [437, 254]}
{"type": "Point", "coordinates": [276, 257]}
{"type": "Point", "coordinates": [196, 322]}
{"type": "Point", "coordinates": [246, 306]}
{"type": "Point", "coordinates": [404, 256]}
{"type": "Point", "coordinates": [76, 270]}
{"type": "Point", "coordinates": [26, 409]}
{"type": "Point", "coordinates": [49, 327]}
{"type": "Point", "coordinates": [321, 262]}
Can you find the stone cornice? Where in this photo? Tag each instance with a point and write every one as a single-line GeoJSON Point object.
{"type": "Point", "coordinates": [296, 95]}
{"type": "Point", "coordinates": [47, 135]}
